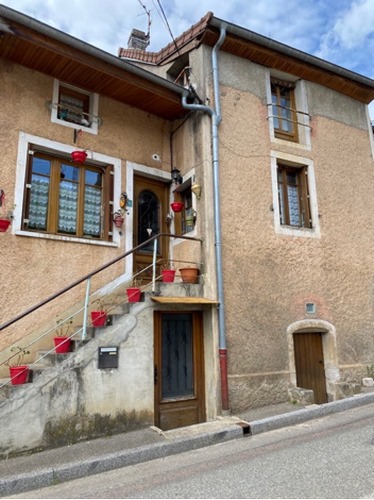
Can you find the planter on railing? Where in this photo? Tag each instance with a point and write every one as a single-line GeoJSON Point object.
{"type": "Point", "coordinates": [62, 344]}
{"type": "Point", "coordinates": [98, 318]}
{"type": "Point", "coordinates": [168, 275]}
{"type": "Point", "coordinates": [133, 294]}
{"type": "Point", "coordinates": [19, 374]}
{"type": "Point", "coordinates": [4, 224]}
{"type": "Point", "coordinates": [189, 274]}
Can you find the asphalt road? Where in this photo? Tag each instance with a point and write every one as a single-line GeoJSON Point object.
{"type": "Point", "coordinates": [332, 457]}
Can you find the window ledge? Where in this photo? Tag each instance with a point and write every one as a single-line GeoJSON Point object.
{"type": "Point", "coordinates": [56, 237]}
{"type": "Point", "coordinates": [291, 144]}
{"type": "Point", "coordinates": [293, 231]}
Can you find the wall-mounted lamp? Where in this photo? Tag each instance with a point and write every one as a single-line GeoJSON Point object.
{"type": "Point", "coordinates": [169, 219]}
{"type": "Point", "coordinates": [196, 189]}
{"type": "Point", "coordinates": [176, 176]}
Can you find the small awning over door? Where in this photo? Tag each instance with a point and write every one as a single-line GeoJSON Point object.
{"type": "Point", "coordinates": [184, 300]}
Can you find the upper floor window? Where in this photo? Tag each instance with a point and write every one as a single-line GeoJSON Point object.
{"type": "Point", "coordinates": [75, 108]}
{"type": "Point", "coordinates": [293, 195]}
{"type": "Point", "coordinates": [295, 207]}
{"type": "Point", "coordinates": [67, 198]}
{"type": "Point", "coordinates": [284, 110]}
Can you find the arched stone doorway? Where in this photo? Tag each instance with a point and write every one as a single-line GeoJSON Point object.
{"type": "Point", "coordinates": [314, 331]}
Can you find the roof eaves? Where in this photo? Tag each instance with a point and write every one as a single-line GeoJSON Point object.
{"type": "Point", "coordinates": [8, 14]}
{"type": "Point", "coordinates": [290, 51]}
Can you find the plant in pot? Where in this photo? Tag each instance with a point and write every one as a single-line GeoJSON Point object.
{"type": "Point", "coordinates": [6, 217]}
{"type": "Point", "coordinates": [168, 272]}
{"type": "Point", "coordinates": [99, 316]}
{"type": "Point", "coordinates": [189, 274]}
{"type": "Point", "coordinates": [134, 292]}
{"type": "Point", "coordinates": [118, 218]}
{"type": "Point", "coordinates": [18, 372]}
{"type": "Point", "coordinates": [62, 339]}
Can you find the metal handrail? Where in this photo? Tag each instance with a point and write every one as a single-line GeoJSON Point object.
{"type": "Point", "coordinates": [87, 278]}
{"type": "Point", "coordinates": [93, 273]}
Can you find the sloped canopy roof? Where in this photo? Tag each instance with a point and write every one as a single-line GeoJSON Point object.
{"type": "Point", "coordinates": [261, 50]}
{"type": "Point", "coordinates": [39, 47]}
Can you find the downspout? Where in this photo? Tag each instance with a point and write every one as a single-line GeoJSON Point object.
{"type": "Point", "coordinates": [216, 118]}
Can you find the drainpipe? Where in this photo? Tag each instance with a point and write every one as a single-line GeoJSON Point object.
{"type": "Point", "coordinates": [216, 118]}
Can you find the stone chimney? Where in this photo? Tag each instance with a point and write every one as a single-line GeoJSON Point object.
{"type": "Point", "coordinates": [138, 40]}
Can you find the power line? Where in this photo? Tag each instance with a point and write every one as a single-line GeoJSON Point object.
{"type": "Point", "coordinates": [167, 25]}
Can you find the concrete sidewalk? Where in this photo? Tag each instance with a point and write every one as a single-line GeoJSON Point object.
{"type": "Point", "coordinates": [46, 468]}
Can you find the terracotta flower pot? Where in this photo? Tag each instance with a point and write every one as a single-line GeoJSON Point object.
{"type": "Point", "coordinates": [133, 294]}
{"type": "Point", "coordinates": [168, 275]}
{"type": "Point", "coordinates": [189, 274]}
{"type": "Point", "coordinates": [177, 206]}
{"type": "Point", "coordinates": [98, 318]}
{"type": "Point", "coordinates": [4, 224]}
{"type": "Point", "coordinates": [118, 221]}
{"type": "Point", "coordinates": [62, 344]}
{"type": "Point", "coordinates": [19, 374]}
{"type": "Point", "coordinates": [79, 156]}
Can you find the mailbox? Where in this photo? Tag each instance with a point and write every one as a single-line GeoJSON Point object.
{"type": "Point", "coordinates": [108, 357]}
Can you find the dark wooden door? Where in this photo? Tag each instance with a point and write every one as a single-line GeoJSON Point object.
{"type": "Point", "coordinates": [179, 369]}
{"type": "Point", "coordinates": [150, 211]}
{"type": "Point", "coordinates": [310, 369]}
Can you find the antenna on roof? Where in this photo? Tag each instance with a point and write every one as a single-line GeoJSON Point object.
{"type": "Point", "coordinates": [148, 12]}
{"type": "Point", "coordinates": [138, 39]}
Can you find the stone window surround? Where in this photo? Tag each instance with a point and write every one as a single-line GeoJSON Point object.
{"type": "Point", "coordinates": [53, 146]}
{"type": "Point", "coordinates": [294, 160]}
{"type": "Point", "coordinates": [304, 139]}
{"type": "Point", "coordinates": [94, 109]}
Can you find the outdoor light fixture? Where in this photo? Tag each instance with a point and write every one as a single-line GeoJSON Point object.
{"type": "Point", "coordinates": [196, 189]}
{"type": "Point", "coordinates": [176, 176]}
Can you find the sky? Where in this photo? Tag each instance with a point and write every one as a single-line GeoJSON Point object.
{"type": "Point", "coordinates": [339, 31]}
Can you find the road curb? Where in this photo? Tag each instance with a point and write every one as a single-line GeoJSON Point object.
{"type": "Point", "coordinates": [19, 483]}
{"type": "Point", "coordinates": [300, 416]}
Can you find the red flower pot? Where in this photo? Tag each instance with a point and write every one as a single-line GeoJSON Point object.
{"type": "Point", "coordinates": [79, 156]}
{"type": "Point", "coordinates": [168, 275]}
{"type": "Point", "coordinates": [177, 206]}
{"type": "Point", "coordinates": [98, 318]}
{"type": "Point", "coordinates": [62, 344]}
{"type": "Point", "coordinates": [4, 224]}
{"type": "Point", "coordinates": [19, 374]}
{"type": "Point", "coordinates": [133, 294]}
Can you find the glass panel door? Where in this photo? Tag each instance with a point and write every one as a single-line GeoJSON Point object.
{"type": "Point", "coordinates": [177, 356]}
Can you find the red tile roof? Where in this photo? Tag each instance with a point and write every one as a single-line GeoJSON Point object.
{"type": "Point", "coordinates": [180, 41]}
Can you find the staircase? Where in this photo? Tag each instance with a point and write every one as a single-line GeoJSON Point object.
{"type": "Point", "coordinates": [70, 399]}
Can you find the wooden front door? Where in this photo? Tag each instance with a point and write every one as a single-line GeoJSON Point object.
{"type": "Point", "coordinates": [179, 369]}
{"type": "Point", "coordinates": [150, 211]}
{"type": "Point", "coordinates": [310, 369]}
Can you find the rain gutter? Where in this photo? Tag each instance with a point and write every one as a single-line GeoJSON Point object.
{"type": "Point", "coordinates": [7, 14]}
{"type": "Point", "coordinates": [216, 118]}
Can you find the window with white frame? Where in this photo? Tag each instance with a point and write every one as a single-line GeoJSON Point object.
{"type": "Point", "coordinates": [75, 108]}
{"type": "Point", "coordinates": [57, 198]}
{"type": "Point", "coordinates": [294, 195]}
{"type": "Point", "coordinates": [66, 198]}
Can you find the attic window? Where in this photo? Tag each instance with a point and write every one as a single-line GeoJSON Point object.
{"type": "Point", "coordinates": [74, 107]}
